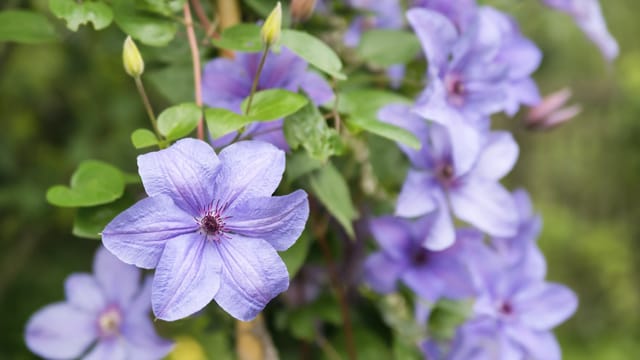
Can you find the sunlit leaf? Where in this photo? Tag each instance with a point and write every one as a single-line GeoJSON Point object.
{"type": "Point", "coordinates": [93, 183]}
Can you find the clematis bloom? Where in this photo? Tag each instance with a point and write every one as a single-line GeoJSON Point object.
{"type": "Point", "coordinates": [106, 316]}
{"type": "Point", "coordinates": [210, 227]}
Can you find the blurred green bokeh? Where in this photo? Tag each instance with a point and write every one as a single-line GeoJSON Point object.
{"type": "Point", "coordinates": [70, 101]}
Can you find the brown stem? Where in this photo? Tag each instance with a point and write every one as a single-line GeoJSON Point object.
{"type": "Point", "coordinates": [320, 231]}
{"type": "Point", "coordinates": [209, 28]}
{"type": "Point", "coordinates": [197, 71]}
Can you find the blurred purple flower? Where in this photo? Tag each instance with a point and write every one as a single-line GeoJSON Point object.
{"type": "Point", "coordinates": [430, 274]}
{"type": "Point", "coordinates": [443, 178]}
{"type": "Point", "coordinates": [460, 12]}
{"type": "Point", "coordinates": [551, 111]}
{"type": "Point", "coordinates": [210, 227]}
{"type": "Point", "coordinates": [476, 73]}
{"type": "Point", "coordinates": [226, 83]}
{"type": "Point", "coordinates": [107, 312]}
{"type": "Point", "coordinates": [588, 15]}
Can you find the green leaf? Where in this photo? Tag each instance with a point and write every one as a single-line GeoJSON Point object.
{"type": "Point", "coordinates": [299, 164]}
{"type": "Point", "coordinates": [148, 29]}
{"type": "Point", "coordinates": [274, 104]}
{"type": "Point", "coordinates": [262, 7]}
{"type": "Point", "coordinates": [308, 128]}
{"type": "Point", "coordinates": [174, 82]}
{"type": "Point", "coordinates": [385, 47]}
{"type": "Point", "coordinates": [332, 190]}
{"type": "Point", "coordinates": [241, 37]}
{"type": "Point", "coordinates": [93, 183]}
{"type": "Point", "coordinates": [314, 51]}
{"type": "Point", "coordinates": [162, 7]}
{"type": "Point", "coordinates": [81, 13]}
{"type": "Point", "coordinates": [368, 102]}
{"type": "Point", "coordinates": [142, 138]}
{"type": "Point", "coordinates": [295, 256]}
{"type": "Point", "coordinates": [220, 121]}
{"type": "Point", "coordinates": [90, 221]}
{"type": "Point", "coordinates": [178, 121]}
{"type": "Point", "coordinates": [25, 27]}
{"type": "Point", "coordinates": [446, 316]}
{"type": "Point", "coordinates": [384, 129]}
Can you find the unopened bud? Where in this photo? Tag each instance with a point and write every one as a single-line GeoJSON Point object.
{"type": "Point", "coordinates": [552, 111]}
{"type": "Point", "coordinates": [301, 10]}
{"type": "Point", "coordinates": [131, 58]}
{"type": "Point", "coordinates": [270, 31]}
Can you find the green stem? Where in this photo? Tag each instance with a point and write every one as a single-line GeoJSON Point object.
{"type": "Point", "coordinates": [256, 79]}
{"type": "Point", "coordinates": [147, 106]}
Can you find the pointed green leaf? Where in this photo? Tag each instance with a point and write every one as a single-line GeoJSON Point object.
{"type": "Point", "coordinates": [82, 13]}
{"type": "Point", "coordinates": [241, 37]}
{"type": "Point", "coordinates": [220, 122]}
{"type": "Point", "coordinates": [25, 27]}
{"type": "Point", "coordinates": [145, 27]}
{"type": "Point", "coordinates": [367, 102]}
{"type": "Point", "coordinates": [314, 51]}
{"type": "Point", "coordinates": [295, 256]}
{"type": "Point", "coordinates": [90, 221]}
{"type": "Point", "coordinates": [384, 47]}
{"type": "Point", "coordinates": [178, 121]}
{"type": "Point", "coordinates": [332, 190]}
{"type": "Point", "coordinates": [93, 183]}
{"type": "Point", "coordinates": [384, 129]}
{"type": "Point", "coordinates": [142, 138]}
{"type": "Point", "coordinates": [273, 104]}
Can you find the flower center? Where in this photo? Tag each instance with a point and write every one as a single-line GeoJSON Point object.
{"type": "Point", "coordinates": [506, 308]}
{"type": "Point", "coordinates": [420, 257]}
{"type": "Point", "coordinates": [456, 89]}
{"type": "Point", "coordinates": [109, 322]}
{"type": "Point", "coordinates": [212, 222]}
{"type": "Point", "coordinates": [446, 174]}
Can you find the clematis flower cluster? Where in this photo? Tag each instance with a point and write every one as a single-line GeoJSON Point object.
{"type": "Point", "coordinates": [105, 316]}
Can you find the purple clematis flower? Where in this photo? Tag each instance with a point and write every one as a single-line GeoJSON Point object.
{"type": "Point", "coordinates": [106, 316]}
{"type": "Point", "coordinates": [210, 227]}
{"type": "Point", "coordinates": [430, 274]}
{"type": "Point", "coordinates": [480, 71]}
{"type": "Point", "coordinates": [460, 12]}
{"type": "Point", "coordinates": [226, 83]}
{"type": "Point", "coordinates": [588, 15]}
{"type": "Point", "coordinates": [443, 178]}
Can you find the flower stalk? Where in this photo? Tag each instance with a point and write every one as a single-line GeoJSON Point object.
{"type": "Point", "coordinates": [197, 71]}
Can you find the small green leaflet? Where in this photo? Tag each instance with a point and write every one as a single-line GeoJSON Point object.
{"type": "Point", "coordinates": [90, 221]}
{"type": "Point", "coordinates": [82, 13]}
{"type": "Point", "coordinates": [142, 138]}
{"type": "Point", "coordinates": [330, 187]}
{"type": "Point", "coordinates": [93, 183]}
{"type": "Point", "coordinates": [274, 104]}
{"type": "Point", "coordinates": [178, 121]}
{"type": "Point", "coordinates": [314, 51]}
{"type": "Point", "coordinates": [241, 37]}
{"type": "Point", "coordinates": [307, 128]}
{"type": "Point", "coordinates": [25, 27]}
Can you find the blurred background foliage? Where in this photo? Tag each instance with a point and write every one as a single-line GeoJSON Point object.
{"type": "Point", "coordinates": [65, 102]}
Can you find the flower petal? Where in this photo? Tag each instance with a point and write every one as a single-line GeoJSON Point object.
{"type": "Point", "coordinates": [279, 220]}
{"type": "Point", "coordinates": [185, 171]}
{"type": "Point", "coordinates": [316, 87]}
{"type": "Point", "coordinates": [225, 84]}
{"type": "Point", "coordinates": [442, 232]}
{"type": "Point", "coordinates": [249, 169]}
{"type": "Point", "coordinates": [138, 235]}
{"type": "Point", "coordinates": [60, 331]}
{"type": "Point", "coordinates": [437, 34]}
{"type": "Point", "coordinates": [108, 349]}
{"type": "Point", "coordinates": [543, 306]}
{"type": "Point", "coordinates": [424, 282]}
{"type": "Point", "coordinates": [536, 344]}
{"type": "Point", "coordinates": [381, 272]}
{"type": "Point", "coordinates": [119, 281]}
{"type": "Point", "coordinates": [498, 156]}
{"type": "Point", "coordinates": [142, 340]}
{"type": "Point", "coordinates": [393, 235]}
{"type": "Point", "coordinates": [252, 275]}
{"type": "Point", "coordinates": [402, 116]}
{"type": "Point", "coordinates": [486, 205]}
{"type": "Point", "coordinates": [416, 197]}
{"type": "Point", "coordinates": [187, 277]}
{"type": "Point", "coordinates": [83, 291]}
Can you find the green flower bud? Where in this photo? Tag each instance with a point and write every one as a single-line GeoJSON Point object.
{"type": "Point", "coordinates": [131, 58]}
{"type": "Point", "coordinates": [271, 28]}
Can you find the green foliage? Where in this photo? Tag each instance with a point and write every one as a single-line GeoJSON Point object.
{"type": "Point", "coordinates": [90, 221]}
{"type": "Point", "coordinates": [142, 138]}
{"type": "Point", "coordinates": [302, 322]}
{"type": "Point", "coordinates": [308, 129]}
{"type": "Point", "coordinates": [222, 121]}
{"type": "Point", "coordinates": [93, 183]}
{"type": "Point", "coordinates": [295, 256]}
{"type": "Point", "coordinates": [148, 28]}
{"type": "Point", "coordinates": [25, 27]}
{"type": "Point", "coordinates": [241, 37]}
{"type": "Point", "coordinates": [81, 13]}
{"type": "Point", "coordinates": [367, 102]}
{"type": "Point", "coordinates": [272, 104]}
{"type": "Point", "coordinates": [178, 121]}
{"type": "Point", "coordinates": [446, 316]}
{"type": "Point", "coordinates": [300, 163]}
{"type": "Point", "coordinates": [330, 187]}
{"type": "Point", "coordinates": [383, 129]}
{"type": "Point", "coordinates": [384, 47]}
{"type": "Point", "coordinates": [314, 51]}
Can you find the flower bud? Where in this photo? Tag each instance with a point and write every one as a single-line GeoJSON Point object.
{"type": "Point", "coordinates": [301, 10]}
{"type": "Point", "coordinates": [552, 111]}
{"type": "Point", "coordinates": [270, 31]}
{"type": "Point", "coordinates": [131, 58]}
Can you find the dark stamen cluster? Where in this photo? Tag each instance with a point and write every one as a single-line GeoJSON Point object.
{"type": "Point", "coordinates": [212, 223]}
